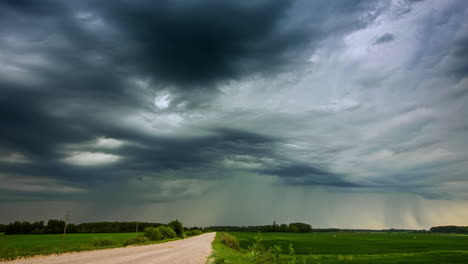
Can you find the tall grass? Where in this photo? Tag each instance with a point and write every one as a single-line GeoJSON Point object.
{"type": "Point", "coordinates": [229, 241]}
{"type": "Point", "coordinates": [105, 242]}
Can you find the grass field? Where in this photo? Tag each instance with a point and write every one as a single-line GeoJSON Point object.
{"type": "Point", "coordinates": [13, 246]}
{"type": "Point", "coordinates": [355, 247]}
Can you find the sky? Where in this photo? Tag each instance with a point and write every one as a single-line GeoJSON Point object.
{"type": "Point", "coordinates": [347, 114]}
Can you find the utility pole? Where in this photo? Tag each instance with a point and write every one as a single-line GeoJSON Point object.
{"type": "Point", "coordinates": [67, 217]}
{"type": "Point", "coordinates": [136, 231]}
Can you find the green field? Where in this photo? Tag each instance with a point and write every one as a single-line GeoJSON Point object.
{"type": "Point", "coordinates": [355, 247]}
{"type": "Point", "coordinates": [13, 246]}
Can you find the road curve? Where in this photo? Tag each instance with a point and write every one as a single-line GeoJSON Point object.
{"type": "Point", "coordinates": [194, 250]}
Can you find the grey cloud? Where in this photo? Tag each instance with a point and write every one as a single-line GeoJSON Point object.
{"type": "Point", "coordinates": [387, 37]}
{"type": "Point", "coordinates": [244, 102]}
{"type": "Point", "coordinates": [31, 7]}
{"type": "Point", "coordinates": [304, 175]}
{"type": "Point", "coordinates": [94, 48]}
{"type": "Point", "coordinates": [459, 65]}
{"type": "Point", "coordinates": [198, 43]}
{"type": "Point", "coordinates": [201, 45]}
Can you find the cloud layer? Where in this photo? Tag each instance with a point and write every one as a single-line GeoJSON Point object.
{"type": "Point", "coordinates": [161, 103]}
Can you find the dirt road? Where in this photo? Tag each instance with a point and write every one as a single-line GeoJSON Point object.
{"type": "Point", "coordinates": [194, 250]}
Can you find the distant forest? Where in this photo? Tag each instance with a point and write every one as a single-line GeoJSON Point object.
{"type": "Point", "coordinates": [57, 227]}
{"type": "Point", "coordinates": [450, 229]}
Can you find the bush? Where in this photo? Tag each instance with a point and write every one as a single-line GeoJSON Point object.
{"type": "Point", "coordinates": [167, 232]}
{"type": "Point", "coordinates": [195, 232]}
{"type": "Point", "coordinates": [153, 233]}
{"type": "Point", "coordinates": [135, 241]}
{"type": "Point", "coordinates": [103, 242]}
{"type": "Point", "coordinates": [177, 227]}
{"type": "Point", "coordinates": [262, 255]}
{"type": "Point", "coordinates": [292, 255]}
{"type": "Point", "coordinates": [159, 233]}
{"type": "Point", "coordinates": [229, 241]}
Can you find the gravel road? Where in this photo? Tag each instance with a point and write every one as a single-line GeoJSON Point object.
{"type": "Point", "coordinates": [194, 250]}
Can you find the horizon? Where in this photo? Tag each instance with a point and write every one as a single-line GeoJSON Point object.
{"type": "Point", "coordinates": [238, 226]}
{"type": "Point", "coordinates": [343, 114]}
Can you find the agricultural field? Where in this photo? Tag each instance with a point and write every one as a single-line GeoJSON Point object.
{"type": "Point", "coordinates": [13, 246]}
{"type": "Point", "coordinates": [352, 248]}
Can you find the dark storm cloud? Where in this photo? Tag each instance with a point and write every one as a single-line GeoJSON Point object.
{"type": "Point", "coordinates": [189, 45]}
{"type": "Point", "coordinates": [261, 98]}
{"type": "Point", "coordinates": [42, 137]}
{"type": "Point", "coordinates": [387, 37]}
{"type": "Point", "coordinates": [459, 65]}
{"type": "Point", "coordinates": [27, 128]}
{"type": "Point", "coordinates": [69, 71]}
{"type": "Point", "coordinates": [161, 153]}
{"type": "Point", "coordinates": [300, 174]}
{"type": "Point", "coordinates": [200, 43]}
{"type": "Point", "coordinates": [94, 48]}
{"type": "Point", "coordinates": [34, 7]}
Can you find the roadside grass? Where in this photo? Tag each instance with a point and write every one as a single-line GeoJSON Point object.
{"type": "Point", "coordinates": [225, 254]}
{"type": "Point", "coordinates": [358, 248]}
{"type": "Point", "coordinates": [14, 246]}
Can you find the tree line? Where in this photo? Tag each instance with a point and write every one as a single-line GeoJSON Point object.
{"type": "Point", "coordinates": [306, 228]}
{"type": "Point", "coordinates": [450, 229]}
{"type": "Point", "coordinates": [286, 228]}
{"type": "Point", "coordinates": [54, 226]}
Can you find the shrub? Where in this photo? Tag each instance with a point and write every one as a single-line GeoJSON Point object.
{"type": "Point", "coordinates": [292, 255]}
{"type": "Point", "coordinates": [167, 232]}
{"type": "Point", "coordinates": [229, 241]}
{"type": "Point", "coordinates": [135, 241]}
{"type": "Point", "coordinates": [262, 255]}
{"type": "Point", "coordinates": [195, 232]}
{"type": "Point", "coordinates": [103, 242]}
{"type": "Point", "coordinates": [153, 233]}
{"type": "Point", "coordinates": [159, 233]}
{"type": "Point", "coordinates": [177, 227]}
